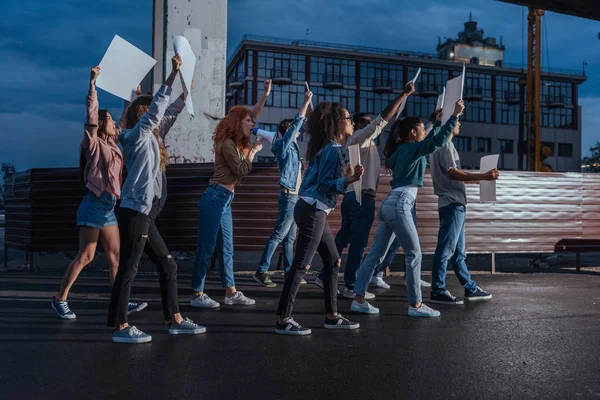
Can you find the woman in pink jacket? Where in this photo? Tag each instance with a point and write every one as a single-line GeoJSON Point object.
{"type": "Point", "coordinates": [103, 164]}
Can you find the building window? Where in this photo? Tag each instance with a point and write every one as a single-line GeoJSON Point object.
{"type": "Point", "coordinates": [565, 150]}
{"type": "Point", "coordinates": [462, 143]}
{"type": "Point", "coordinates": [321, 66]}
{"type": "Point", "coordinates": [284, 96]}
{"type": "Point", "coordinates": [374, 103]}
{"type": "Point", "coordinates": [250, 62]}
{"type": "Point", "coordinates": [507, 114]}
{"type": "Point", "coordinates": [249, 92]}
{"type": "Point", "coordinates": [483, 145]}
{"type": "Point", "coordinates": [557, 92]}
{"type": "Point", "coordinates": [549, 145]}
{"type": "Point", "coordinates": [506, 146]}
{"type": "Point", "coordinates": [345, 96]}
{"type": "Point", "coordinates": [557, 118]}
{"type": "Point", "coordinates": [378, 73]}
{"type": "Point", "coordinates": [478, 111]}
{"type": "Point", "coordinates": [478, 84]}
{"type": "Point", "coordinates": [268, 61]}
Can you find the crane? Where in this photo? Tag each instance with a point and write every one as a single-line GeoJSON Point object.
{"type": "Point", "coordinates": [579, 8]}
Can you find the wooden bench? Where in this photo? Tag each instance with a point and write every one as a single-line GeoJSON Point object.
{"type": "Point", "coordinates": [577, 246]}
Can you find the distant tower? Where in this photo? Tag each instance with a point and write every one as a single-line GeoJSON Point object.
{"type": "Point", "coordinates": [471, 47]}
{"type": "Point", "coordinates": [204, 24]}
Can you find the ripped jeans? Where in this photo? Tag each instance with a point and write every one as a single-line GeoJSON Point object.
{"type": "Point", "coordinates": [139, 234]}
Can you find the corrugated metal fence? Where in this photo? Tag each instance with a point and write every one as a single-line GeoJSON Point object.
{"type": "Point", "coordinates": [533, 212]}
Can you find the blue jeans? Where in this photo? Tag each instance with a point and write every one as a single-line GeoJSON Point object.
{"type": "Point", "coordinates": [395, 220]}
{"type": "Point", "coordinates": [391, 253]}
{"type": "Point", "coordinates": [451, 247]}
{"type": "Point", "coordinates": [215, 229]}
{"type": "Point", "coordinates": [285, 233]}
{"type": "Point", "coordinates": [357, 220]}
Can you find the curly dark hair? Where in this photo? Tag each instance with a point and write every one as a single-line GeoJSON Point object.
{"type": "Point", "coordinates": [325, 124]}
{"type": "Point", "coordinates": [399, 134]}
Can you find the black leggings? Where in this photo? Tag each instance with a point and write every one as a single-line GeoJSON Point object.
{"type": "Point", "coordinates": [314, 235]}
{"type": "Point", "coordinates": [138, 234]}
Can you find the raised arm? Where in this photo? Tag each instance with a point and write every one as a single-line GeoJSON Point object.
{"type": "Point", "coordinates": [152, 118]}
{"type": "Point", "coordinates": [171, 114]}
{"type": "Point", "coordinates": [438, 137]}
{"type": "Point", "coordinates": [258, 107]}
{"type": "Point", "coordinates": [91, 102]}
{"type": "Point", "coordinates": [374, 129]}
{"type": "Point", "coordinates": [286, 141]}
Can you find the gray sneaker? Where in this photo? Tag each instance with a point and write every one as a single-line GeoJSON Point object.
{"type": "Point", "coordinates": [204, 302]}
{"type": "Point", "coordinates": [186, 327]}
{"type": "Point", "coordinates": [131, 334]}
{"type": "Point", "coordinates": [238, 299]}
{"type": "Point", "coordinates": [422, 311]}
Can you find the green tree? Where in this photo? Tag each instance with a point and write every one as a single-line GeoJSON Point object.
{"type": "Point", "coordinates": [592, 163]}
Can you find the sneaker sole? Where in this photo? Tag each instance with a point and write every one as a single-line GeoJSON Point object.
{"type": "Point", "coordinates": [342, 327]}
{"type": "Point", "coordinates": [138, 309]}
{"type": "Point", "coordinates": [187, 331]}
{"type": "Point", "coordinates": [378, 287]}
{"type": "Point", "coordinates": [423, 315]}
{"type": "Point", "coordinates": [372, 312]}
{"type": "Point", "coordinates": [65, 317]}
{"type": "Point", "coordinates": [239, 304]}
{"type": "Point", "coordinates": [272, 285]}
{"type": "Point", "coordinates": [293, 333]}
{"type": "Point", "coordinates": [369, 296]}
{"type": "Point", "coordinates": [217, 305]}
{"type": "Point", "coordinates": [450, 303]}
{"type": "Point", "coordinates": [131, 341]}
{"type": "Point", "coordinates": [478, 298]}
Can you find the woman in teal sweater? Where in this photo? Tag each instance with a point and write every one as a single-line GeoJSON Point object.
{"type": "Point", "coordinates": [405, 150]}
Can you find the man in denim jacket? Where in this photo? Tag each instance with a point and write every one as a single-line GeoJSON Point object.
{"type": "Point", "coordinates": [287, 153]}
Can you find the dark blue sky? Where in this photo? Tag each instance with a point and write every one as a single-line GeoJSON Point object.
{"type": "Point", "coordinates": [48, 48]}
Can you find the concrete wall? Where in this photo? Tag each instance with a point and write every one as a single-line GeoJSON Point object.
{"type": "Point", "coordinates": [204, 24]}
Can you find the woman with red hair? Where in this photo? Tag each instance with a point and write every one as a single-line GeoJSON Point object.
{"type": "Point", "coordinates": [233, 160]}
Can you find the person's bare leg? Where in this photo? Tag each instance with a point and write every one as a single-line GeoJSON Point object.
{"type": "Point", "coordinates": [88, 238]}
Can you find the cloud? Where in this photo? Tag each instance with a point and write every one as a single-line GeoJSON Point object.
{"type": "Point", "coordinates": [48, 47]}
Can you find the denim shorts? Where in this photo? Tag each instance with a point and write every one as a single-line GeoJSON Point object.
{"type": "Point", "coordinates": [97, 212]}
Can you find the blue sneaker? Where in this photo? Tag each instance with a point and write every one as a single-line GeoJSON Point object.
{"type": "Point", "coordinates": [134, 307]}
{"type": "Point", "coordinates": [131, 334]}
{"type": "Point", "coordinates": [186, 327]}
{"type": "Point", "coordinates": [478, 294]}
{"type": "Point", "coordinates": [62, 309]}
{"type": "Point", "coordinates": [445, 298]}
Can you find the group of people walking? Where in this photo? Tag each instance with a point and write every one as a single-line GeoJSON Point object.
{"type": "Point", "coordinates": [305, 200]}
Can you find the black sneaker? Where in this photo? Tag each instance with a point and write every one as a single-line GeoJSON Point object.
{"type": "Point", "coordinates": [264, 279]}
{"type": "Point", "coordinates": [445, 298]}
{"type": "Point", "coordinates": [340, 322]}
{"type": "Point", "coordinates": [291, 327]}
{"type": "Point", "coordinates": [478, 294]}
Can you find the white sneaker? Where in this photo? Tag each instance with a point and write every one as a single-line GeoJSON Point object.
{"type": "Point", "coordinates": [319, 283]}
{"type": "Point", "coordinates": [365, 308]}
{"type": "Point", "coordinates": [204, 302]}
{"type": "Point", "coordinates": [422, 311]}
{"type": "Point", "coordinates": [378, 282]}
{"type": "Point", "coordinates": [423, 283]}
{"type": "Point", "coordinates": [238, 298]}
{"type": "Point", "coordinates": [349, 294]}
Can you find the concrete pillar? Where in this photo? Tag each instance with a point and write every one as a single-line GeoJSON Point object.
{"type": "Point", "coordinates": [204, 24]}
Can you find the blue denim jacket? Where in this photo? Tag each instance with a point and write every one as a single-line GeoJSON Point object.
{"type": "Point", "coordinates": [324, 179]}
{"type": "Point", "coordinates": [287, 153]}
